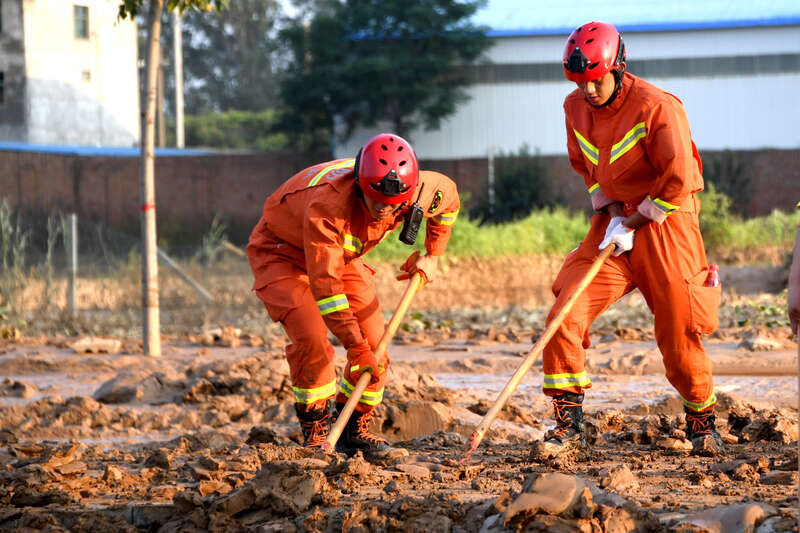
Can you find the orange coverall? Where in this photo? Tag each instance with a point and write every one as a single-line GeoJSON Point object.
{"type": "Point", "coordinates": [638, 151]}
{"type": "Point", "coordinates": [305, 256]}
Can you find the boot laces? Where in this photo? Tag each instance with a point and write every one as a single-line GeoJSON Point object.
{"type": "Point", "coordinates": [563, 415]}
{"type": "Point", "coordinates": [362, 430]}
{"type": "Point", "coordinates": [701, 423]}
{"type": "Point", "coordinates": [316, 431]}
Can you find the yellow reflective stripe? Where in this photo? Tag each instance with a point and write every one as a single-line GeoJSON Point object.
{"type": "Point", "coordinates": [665, 206]}
{"type": "Point", "coordinates": [593, 188]}
{"type": "Point", "coordinates": [561, 381]}
{"type": "Point", "coordinates": [368, 397]}
{"type": "Point", "coordinates": [588, 149]}
{"type": "Point", "coordinates": [337, 302]}
{"type": "Point", "coordinates": [700, 406]}
{"type": "Point", "coordinates": [798, 205]}
{"type": "Point", "coordinates": [348, 163]}
{"type": "Point", "coordinates": [352, 243]}
{"type": "Point", "coordinates": [312, 395]}
{"type": "Point", "coordinates": [628, 141]}
{"type": "Point", "coordinates": [446, 219]}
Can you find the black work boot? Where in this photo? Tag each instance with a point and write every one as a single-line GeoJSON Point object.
{"type": "Point", "coordinates": [702, 432]}
{"type": "Point", "coordinates": [315, 423]}
{"type": "Point", "coordinates": [569, 433]}
{"type": "Point", "coordinates": [356, 435]}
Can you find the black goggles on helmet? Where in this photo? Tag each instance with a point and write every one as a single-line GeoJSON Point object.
{"type": "Point", "coordinates": [390, 185]}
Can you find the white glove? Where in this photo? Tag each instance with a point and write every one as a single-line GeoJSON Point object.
{"type": "Point", "coordinates": [619, 234]}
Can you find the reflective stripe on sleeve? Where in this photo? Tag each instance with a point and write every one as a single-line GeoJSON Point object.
{"type": "Point", "coordinates": [349, 163]}
{"type": "Point", "coordinates": [368, 398]}
{"type": "Point", "coordinates": [665, 206]}
{"type": "Point", "coordinates": [446, 219]}
{"type": "Point", "coordinates": [588, 149]}
{"type": "Point", "coordinates": [594, 188]}
{"type": "Point", "coordinates": [337, 302]}
{"type": "Point", "coordinates": [352, 243]}
{"type": "Point", "coordinates": [700, 406]}
{"type": "Point", "coordinates": [628, 141]}
{"type": "Point", "coordinates": [317, 393]}
{"type": "Point", "coordinates": [563, 381]}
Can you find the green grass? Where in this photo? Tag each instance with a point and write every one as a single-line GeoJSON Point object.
{"type": "Point", "coordinates": [777, 228]}
{"type": "Point", "coordinates": [557, 231]}
{"type": "Point", "coordinates": [547, 231]}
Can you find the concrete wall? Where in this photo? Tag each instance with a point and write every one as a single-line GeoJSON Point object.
{"type": "Point", "coordinates": [80, 91]}
{"type": "Point", "coordinates": [190, 190]}
{"type": "Point", "coordinates": [12, 65]}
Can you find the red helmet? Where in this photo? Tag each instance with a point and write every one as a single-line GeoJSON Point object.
{"type": "Point", "coordinates": [386, 169]}
{"type": "Point", "coordinates": [592, 50]}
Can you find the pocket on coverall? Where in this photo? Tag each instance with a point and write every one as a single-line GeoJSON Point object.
{"type": "Point", "coordinates": [703, 304]}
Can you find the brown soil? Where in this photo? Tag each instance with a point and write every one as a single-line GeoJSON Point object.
{"type": "Point", "coordinates": [205, 438]}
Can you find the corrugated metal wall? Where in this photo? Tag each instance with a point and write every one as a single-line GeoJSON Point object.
{"type": "Point", "coordinates": [739, 87]}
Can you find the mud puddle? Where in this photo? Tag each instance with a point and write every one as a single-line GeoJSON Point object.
{"type": "Point", "coordinates": [622, 390]}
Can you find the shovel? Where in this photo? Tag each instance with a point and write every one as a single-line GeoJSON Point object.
{"type": "Point", "coordinates": [479, 432]}
{"type": "Point", "coordinates": [414, 285]}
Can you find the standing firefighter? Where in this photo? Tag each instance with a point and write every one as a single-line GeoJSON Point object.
{"type": "Point", "coordinates": [793, 295]}
{"type": "Point", "coordinates": [631, 143]}
{"type": "Point", "coordinates": [306, 253]}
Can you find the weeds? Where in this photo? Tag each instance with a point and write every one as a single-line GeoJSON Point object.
{"type": "Point", "coordinates": [13, 250]}
{"type": "Point", "coordinates": [212, 245]}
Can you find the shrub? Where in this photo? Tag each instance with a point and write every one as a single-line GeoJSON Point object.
{"type": "Point", "coordinates": [521, 185]}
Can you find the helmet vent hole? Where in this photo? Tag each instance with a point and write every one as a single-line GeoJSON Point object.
{"type": "Point", "coordinates": [593, 65]}
{"type": "Point", "coordinates": [592, 29]}
{"type": "Point", "coordinates": [572, 41]}
{"type": "Point", "coordinates": [383, 161]}
{"type": "Point", "coordinates": [590, 40]}
{"type": "Point", "coordinates": [399, 148]}
{"type": "Point", "coordinates": [403, 162]}
{"type": "Point", "coordinates": [383, 147]}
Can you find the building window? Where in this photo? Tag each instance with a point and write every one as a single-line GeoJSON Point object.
{"type": "Point", "coordinates": [86, 75]}
{"type": "Point", "coordinates": [2, 87]}
{"type": "Point", "coordinates": [81, 14]}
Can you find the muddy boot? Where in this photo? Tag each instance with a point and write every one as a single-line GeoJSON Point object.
{"type": "Point", "coordinates": [702, 432]}
{"type": "Point", "coordinates": [569, 434]}
{"type": "Point", "coordinates": [315, 423]}
{"type": "Point", "coordinates": [356, 436]}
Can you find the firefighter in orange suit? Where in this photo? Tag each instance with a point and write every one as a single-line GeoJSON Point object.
{"type": "Point", "coordinates": [793, 295]}
{"type": "Point", "coordinates": [305, 254]}
{"type": "Point", "coordinates": [631, 143]}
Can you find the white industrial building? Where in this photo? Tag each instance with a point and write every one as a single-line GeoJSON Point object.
{"type": "Point", "coordinates": [735, 64]}
{"type": "Point", "coordinates": [68, 73]}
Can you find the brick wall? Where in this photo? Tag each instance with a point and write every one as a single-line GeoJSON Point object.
{"type": "Point", "coordinates": [191, 189]}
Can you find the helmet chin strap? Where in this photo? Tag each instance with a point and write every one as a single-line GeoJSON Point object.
{"type": "Point", "coordinates": [618, 74]}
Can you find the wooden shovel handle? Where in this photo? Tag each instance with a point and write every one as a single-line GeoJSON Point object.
{"type": "Point", "coordinates": [477, 435]}
{"type": "Point", "coordinates": [414, 284]}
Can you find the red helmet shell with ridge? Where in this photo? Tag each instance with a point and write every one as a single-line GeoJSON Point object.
{"type": "Point", "coordinates": [387, 170]}
{"type": "Point", "coordinates": [592, 50]}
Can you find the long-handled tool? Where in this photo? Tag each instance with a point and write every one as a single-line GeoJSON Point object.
{"type": "Point", "coordinates": [414, 285]}
{"type": "Point", "coordinates": [477, 435]}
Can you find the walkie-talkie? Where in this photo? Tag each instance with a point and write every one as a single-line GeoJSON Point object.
{"type": "Point", "coordinates": [408, 235]}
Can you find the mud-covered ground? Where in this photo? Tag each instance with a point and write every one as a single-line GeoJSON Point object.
{"type": "Point", "coordinates": [204, 439]}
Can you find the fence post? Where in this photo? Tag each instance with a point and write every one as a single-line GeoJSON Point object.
{"type": "Point", "coordinates": [72, 262]}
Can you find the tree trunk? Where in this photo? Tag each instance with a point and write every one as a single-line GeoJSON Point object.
{"type": "Point", "coordinates": [151, 341]}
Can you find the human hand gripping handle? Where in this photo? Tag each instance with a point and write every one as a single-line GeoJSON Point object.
{"type": "Point", "coordinates": [360, 359]}
{"type": "Point", "coordinates": [618, 234]}
{"type": "Point", "coordinates": [426, 265]}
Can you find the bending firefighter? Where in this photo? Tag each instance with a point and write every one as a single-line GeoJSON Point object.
{"type": "Point", "coordinates": [631, 143]}
{"type": "Point", "coordinates": [306, 253]}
